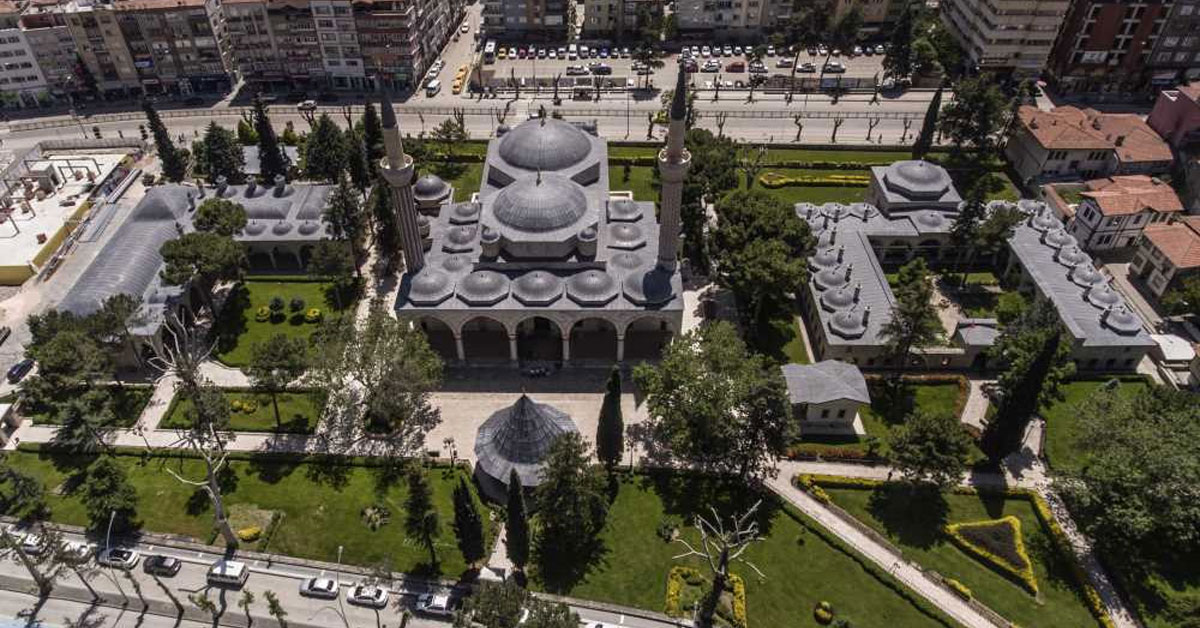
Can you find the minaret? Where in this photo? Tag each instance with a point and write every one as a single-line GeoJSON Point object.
{"type": "Point", "coordinates": [397, 170]}
{"type": "Point", "coordinates": [673, 162]}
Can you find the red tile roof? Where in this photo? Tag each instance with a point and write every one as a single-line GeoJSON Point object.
{"type": "Point", "coordinates": [1071, 128]}
{"type": "Point", "coordinates": [1179, 241]}
{"type": "Point", "coordinates": [1121, 196]}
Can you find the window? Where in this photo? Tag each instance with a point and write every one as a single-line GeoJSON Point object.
{"type": "Point", "coordinates": [825, 413]}
{"type": "Point", "coordinates": [1186, 9]}
{"type": "Point", "coordinates": [1170, 42]}
{"type": "Point", "coordinates": [842, 413]}
{"type": "Point", "coordinates": [1112, 222]}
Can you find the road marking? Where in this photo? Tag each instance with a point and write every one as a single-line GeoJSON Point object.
{"type": "Point", "coordinates": [622, 619]}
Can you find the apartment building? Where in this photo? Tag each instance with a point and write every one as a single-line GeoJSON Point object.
{"type": "Point", "coordinates": [1113, 212]}
{"type": "Point", "coordinates": [1009, 37]}
{"type": "Point", "coordinates": [173, 46]}
{"type": "Point", "coordinates": [340, 55]}
{"type": "Point", "coordinates": [1176, 54]}
{"type": "Point", "coordinates": [1176, 116]}
{"type": "Point", "coordinates": [1104, 46]}
{"type": "Point", "coordinates": [730, 20]}
{"type": "Point", "coordinates": [619, 20]}
{"type": "Point", "coordinates": [1167, 254]}
{"type": "Point", "coordinates": [1073, 143]}
{"type": "Point", "coordinates": [525, 20]}
{"type": "Point", "coordinates": [51, 44]}
{"type": "Point", "coordinates": [22, 83]}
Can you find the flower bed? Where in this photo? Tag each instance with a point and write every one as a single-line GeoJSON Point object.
{"type": "Point", "coordinates": [774, 180]}
{"type": "Point", "coordinates": [998, 544]}
{"type": "Point", "coordinates": [686, 587]}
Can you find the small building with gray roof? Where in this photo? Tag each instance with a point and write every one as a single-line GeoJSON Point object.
{"type": "Point", "coordinates": [826, 397]}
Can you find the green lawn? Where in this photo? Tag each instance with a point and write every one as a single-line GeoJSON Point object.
{"type": "Point", "coordinates": [237, 331]}
{"type": "Point", "coordinates": [888, 410]}
{"type": "Point", "coordinates": [321, 505]}
{"type": "Point", "coordinates": [464, 176]}
{"type": "Point", "coordinates": [641, 182]}
{"type": "Point", "coordinates": [817, 194]}
{"type": "Point", "coordinates": [129, 402]}
{"type": "Point", "coordinates": [801, 568]}
{"type": "Point", "coordinates": [777, 155]}
{"type": "Point", "coordinates": [1062, 424]}
{"type": "Point", "coordinates": [914, 522]}
{"type": "Point", "coordinates": [299, 412]}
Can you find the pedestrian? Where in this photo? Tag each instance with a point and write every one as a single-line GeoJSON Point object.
{"type": "Point", "coordinates": [890, 472]}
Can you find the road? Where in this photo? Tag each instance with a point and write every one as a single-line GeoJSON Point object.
{"type": "Point", "coordinates": [281, 575]}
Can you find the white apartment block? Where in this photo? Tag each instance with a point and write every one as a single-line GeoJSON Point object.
{"type": "Point", "coordinates": [730, 19]}
{"type": "Point", "coordinates": [22, 83]}
{"type": "Point", "coordinates": [1005, 35]}
{"type": "Point", "coordinates": [341, 55]}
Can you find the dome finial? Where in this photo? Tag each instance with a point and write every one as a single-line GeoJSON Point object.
{"type": "Point", "coordinates": [539, 176]}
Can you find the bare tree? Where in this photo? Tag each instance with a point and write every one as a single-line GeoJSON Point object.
{"type": "Point", "coordinates": [650, 128]}
{"type": "Point", "coordinates": [907, 125]}
{"type": "Point", "coordinates": [717, 88]}
{"type": "Point", "coordinates": [837, 124]}
{"type": "Point", "coordinates": [210, 446]}
{"type": "Point", "coordinates": [721, 117]}
{"type": "Point", "coordinates": [720, 547]}
{"type": "Point", "coordinates": [871, 124]}
{"type": "Point", "coordinates": [798, 120]}
{"type": "Point", "coordinates": [751, 163]}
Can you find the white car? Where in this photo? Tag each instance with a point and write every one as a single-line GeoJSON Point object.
{"type": "Point", "coordinates": [770, 51]}
{"type": "Point", "coordinates": [880, 49]}
{"type": "Point", "coordinates": [324, 588]}
{"type": "Point", "coordinates": [466, 28]}
{"type": "Point", "coordinates": [434, 604]}
{"type": "Point", "coordinates": [119, 558]}
{"type": "Point", "coordinates": [369, 595]}
{"type": "Point", "coordinates": [553, 54]}
{"type": "Point", "coordinates": [33, 544]}
{"type": "Point", "coordinates": [77, 551]}
{"type": "Point", "coordinates": [307, 105]}
{"type": "Point", "coordinates": [727, 51]}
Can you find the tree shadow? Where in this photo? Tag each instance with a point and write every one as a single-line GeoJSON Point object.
{"type": "Point", "coordinates": [198, 503]}
{"type": "Point", "coordinates": [342, 295]}
{"type": "Point", "coordinates": [231, 322]}
{"type": "Point", "coordinates": [560, 571]}
{"type": "Point", "coordinates": [913, 514]}
{"type": "Point", "coordinates": [687, 494]}
{"type": "Point", "coordinates": [892, 399]}
{"type": "Point", "coordinates": [272, 471]}
{"type": "Point", "coordinates": [389, 473]}
{"type": "Point", "coordinates": [328, 469]}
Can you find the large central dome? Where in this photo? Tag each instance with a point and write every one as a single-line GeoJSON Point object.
{"type": "Point", "coordinates": [537, 204]}
{"type": "Point", "coordinates": [545, 144]}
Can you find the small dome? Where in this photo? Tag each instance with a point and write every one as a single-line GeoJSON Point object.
{"type": "Point", "coordinates": [1071, 256]}
{"type": "Point", "coordinates": [456, 263]}
{"type": "Point", "coordinates": [839, 298]}
{"type": "Point", "coordinates": [592, 287]}
{"type": "Point", "coordinates": [1044, 222]}
{"type": "Point", "coordinates": [649, 287]}
{"type": "Point", "coordinates": [502, 130]}
{"type": "Point", "coordinates": [422, 220]}
{"type": "Point", "coordinates": [537, 288]}
{"type": "Point", "coordinates": [464, 213]}
{"type": "Point", "coordinates": [460, 239]}
{"type": "Point", "coordinates": [430, 187]}
{"type": "Point", "coordinates": [827, 257]}
{"type": "Point", "coordinates": [254, 228]}
{"type": "Point", "coordinates": [624, 210]}
{"type": "Point", "coordinates": [917, 180]}
{"type": "Point", "coordinates": [282, 228]}
{"type": "Point", "coordinates": [931, 219]}
{"type": "Point", "coordinates": [863, 210]}
{"type": "Point", "coordinates": [430, 287]}
{"type": "Point", "coordinates": [1030, 206]}
{"type": "Point", "coordinates": [830, 278]}
{"type": "Point", "coordinates": [1102, 297]}
{"type": "Point", "coordinates": [536, 206]}
{"type": "Point", "coordinates": [848, 324]}
{"type": "Point", "coordinates": [489, 234]}
{"type": "Point", "coordinates": [1086, 275]}
{"type": "Point", "coordinates": [588, 234]}
{"type": "Point", "coordinates": [308, 227]}
{"type": "Point", "coordinates": [482, 287]}
{"type": "Point", "coordinates": [835, 211]}
{"type": "Point", "coordinates": [624, 235]}
{"type": "Point", "coordinates": [1058, 238]}
{"type": "Point", "coordinates": [1121, 320]}
{"type": "Point", "coordinates": [626, 260]}
{"type": "Point", "coordinates": [805, 210]}
{"type": "Point", "coordinates": [545, 144]}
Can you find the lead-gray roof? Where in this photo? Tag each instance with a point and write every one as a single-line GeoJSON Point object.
{"type": "Point", "coordinates": [905, 183]}
{"type": "Point", "coordinates": [823, 382]}
{"type": "Point", "coordinates": [545, 144]}
{"type": "Point", "coordinates": [519, 437]}
{"type": "Point", "coordinates": [977, 332]}
{"type": "Point", "coordinates": [254, 164]}
{"type": "Point", "coordinates": [545, 203]}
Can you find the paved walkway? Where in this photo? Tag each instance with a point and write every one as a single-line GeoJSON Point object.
{"type": "Point", "coordinates": [975, 410]}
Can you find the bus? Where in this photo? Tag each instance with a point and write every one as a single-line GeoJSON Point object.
{"type": "Point", "coordinates": [489, 52]}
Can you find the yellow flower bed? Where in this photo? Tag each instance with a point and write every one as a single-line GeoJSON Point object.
{"type": "Point", "coordinates": [774, 180]}
{"type": "Point", "coordinates": [1022, 574]}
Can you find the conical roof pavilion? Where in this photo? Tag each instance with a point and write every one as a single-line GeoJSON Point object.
{"type": "Point", "coordinates": [517, 437]}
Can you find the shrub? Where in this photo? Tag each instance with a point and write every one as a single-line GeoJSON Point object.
{"type": "Point", "coordinates": [676, 579]}
{"type": "Point", "coordinates": [263, 314]}
{"type": "Point", "coordinates": [250, 534]}
{"type": "Point", "coordinates": [276, 304]}
{"type": "Point", "coordinates": [313, 315]}
{"type": "Point", "coordinates": [823, 613]}
{"type": "Point", "coordinates": [667, 529]}
{"type": "Point", "coordinates": [249, 406]}
{"type": "Point", "coordinates": [296, 305]}
{"type": "Point", "coordinates": [960, 589]}
{"type": "Point", "coordinates": [805, 483]}
{"type": "Point", "coordinates": [236, 405]}
{"type": "Point", "coordinates": [774, 180]}
{"type": "Point", "coordinates": [739, 600]}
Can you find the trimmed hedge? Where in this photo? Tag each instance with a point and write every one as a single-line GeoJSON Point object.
{"type": "Point", "coordinates": [809, 451]}
{"type": "Point", "coordinates": [1017, 567]}
{"type": "Point", "coordinates": [179, 453]}
{"type": "Point", "coordinates": [774, 181]}
{"type": "Point", "coordinates": [681, 575]}
{"type": "Point", "coordinates": [960, 589]}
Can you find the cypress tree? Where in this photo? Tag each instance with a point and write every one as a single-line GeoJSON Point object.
{"type": "Point", "coordinates": [325, 151]}
{"type": "Point", "coordinates": [468, 525]}
{"type": "Point", "coordinates": [387, 230]}
{"type": "Point", "coordinates": [223, 154]}
{"type": "Point", "coordinates": [356, 160]}
{"type": "Point", "coordinates": [271, 158]}
{"type": "Point", "coordinates": [372, 135]}
{"type": "Point", "coordinates": [929, 126]}
{"type": "Point", "coordinates": [610, 433]}
{"type": "Point", "coordinates": [174, 168]}
{"type": "Point", "coordinates": [517, 525]}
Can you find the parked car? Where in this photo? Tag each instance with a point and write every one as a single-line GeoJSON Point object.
{"type": "Point", "coordinates": [757, 68]}
{"type": "Point", "coordinates": [308, 105]}
{"type": "Point", "coordinates": [434, 604]}
{"type": "Point", "coordinates": [160, 565]}
{"type": "Point", "coordinates": [856, 51]}
{"type": "Point", "coordinates": [541, 53]}
{"type": "Point", "coordinates": [576, 70]}
{"type": "Point", "coordinates": [369, 595]}
{"type": "Point", "coordinates": [5, 332]}
{"type": "Point", "coordinates": [712, 65]}
{"type": "Point", "coordinates": [512, 52]}
{"type": "Point", "coordinates": [119, 558]}
{"type": "Point", "coordinates": [552, 53]}
{"type": "Point", "coordinates": [822, 50]}
{"type": "Point", "coordinates": [737, 51]}
{"type": "Point", "coordinates": [20, 370]}
{"type": "Point", "coordinates": [706, 52]}
{"type": "Point", "coordinates": [833, 67]}
{"type": "Point", "coordinates": [465, 28]}
{"type": "Point", "coordinates": [228, 573]}
{"type": "Point", "coordinates": [33, 544]}
{"type": "Point", "coordinates": [783, 62]}
{"type": "Point", "coordinates": [601, 69]}
{"type": "Point", "coordinates": [690, 66]}
{"type": "Point", "coordinates": [324, 588]}
{"type": "Point", "coordinates": [736, 66]}
{"type": "Point", "coordinates": [625, 53]}
{"type": "Point", "coordinates": [770, 51]}
{"type": "Point", "coordinates": [880, 49]}
{"type": "Point", "coordinates": [807, 67]}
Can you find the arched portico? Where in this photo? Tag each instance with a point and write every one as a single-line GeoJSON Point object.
{"type": "Point", "coordinates": [485, 339]}
{"type": "Point", "coordinates": [540, 339]}
{"type": "Point", "coordinates": [593, 340]}
{"type": "Point", "coordinates": [645, 338]}
{"type": "Point", "coordinates": [440, 336]}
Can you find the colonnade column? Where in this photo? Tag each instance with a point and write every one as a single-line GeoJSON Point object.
{"type": "Point", "coordinates": [512, 348]}
{"type": "Point", "coordinates": [458, 348]}
{"type": "Point", "coordinates": [620, 347]}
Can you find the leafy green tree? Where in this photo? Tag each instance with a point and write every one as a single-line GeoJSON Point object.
{"type": "Point", "coordinates": [275, 363]}
{"type": "Point", "coordinates": [1184, 298]}
{"type": "Point", "coordinates": [21, 494]}
{"type": "Point", "coordinates": [1010, 306]}
{"type": "Point", "coordinates": [468, 525]}
{"type": "Point", "coordinates": [220, 216]}
{"type": "Point", "coordinates": [174, 161]}
{"type": "Point", "coordinates": [930, 448]}
{"type": "Point", "coordinates": [760, 250]}
{"type": "Point", "coordinates": [516, 528]}
{"type": "Point", "coordinates": [272, 160]}
{"type": "Point", "coordinates": [345, 216]}
{"type": "Point", "coordinates": [898, 63]}
{"type": "Point", "coordinates": [387, 229]}
{"type": "Point", "coordinates": [356, 161]}
{"type": "Point", "coordinates": [544, 614]}
{"type": "Point", "coordinates": [421, 519]}
{"type": "Point", "coordinates": [965, 230]}
{"type": "Point", "coordinates": [994, 232]}
{"type": "Point", "coordinates": [449, 134]}
{"type": "Point", "coordinates": [372, 136]}
{"type": "Point", "coordinates": [1036, 354]}
{"type": "Point", "coordinates": [245, 134]}
{"type": "Point", "coordinates": [714, 405]}
{"type": "Point", "coordinates": [1135, 494]}
{"type": "Point", "coordinates": [974, 122]}
{"type": "Point", "coordinates": [929, 126]}
{"type": "Point", "coordinates": [714, 171]}
{"type": "Point", "coordinates": [107, 493]}
{"type": "Point", "coordinates": [203, 258]}
{"type": "Point", "coordinates": [914, 322]}
{"type": "Point", "coordinates": [572, 505]}
{"type": "Point", "coordinates": [84, 421]}
{"type": "Point", "coordinates": [493, 605]}
{"type": "Point", "coordinates": [610, 431]}
{"type": "Point", "coordinates": [334, 261]}
{"type": "Point", "coordinates": [325, 151]}
{"type": "Point", "coordinates": [245, 601]}
{"type": "Point", "coordinates": [222, 154]}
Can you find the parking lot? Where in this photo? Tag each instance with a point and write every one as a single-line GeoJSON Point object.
{"type": "Point", "coordinates": [861, 66]}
